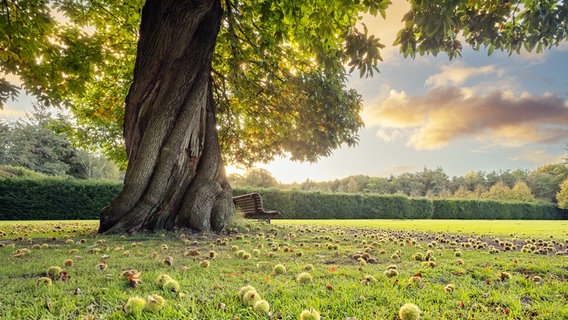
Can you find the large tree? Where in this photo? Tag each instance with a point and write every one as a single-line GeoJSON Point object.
{"type": "Point", "coordinates": [233, 80]}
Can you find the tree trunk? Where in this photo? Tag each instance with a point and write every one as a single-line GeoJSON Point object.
{"type": "Point", "coordinates": [175, 176]}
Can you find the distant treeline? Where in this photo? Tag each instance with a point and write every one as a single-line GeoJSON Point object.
{"type": "Point", "coordinates": [542, 184]}
{"type": "Point", "coordinates": [63, 199]}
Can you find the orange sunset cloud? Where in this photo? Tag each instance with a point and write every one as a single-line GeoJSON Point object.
{"type": "Point", "coordinates": [436, 118]}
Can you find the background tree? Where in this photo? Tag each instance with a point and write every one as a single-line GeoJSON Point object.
{"type": "Point", "coordinates": [436, 182]}
{"type": "Point", "coordinates": [562, 196]}
{"type": "Point", "coordinates": [378, 185]}
{"type": "Point", "coordinates": [96, 167]}
{"type": "Point", "coordinates": [352, 185]}
{"type": "Point", "coordinates": [473, 180]}
{"type": "Point", "coordinates": [4, 140]}
{"type": "Point", "coordinates": [545, 181]}
{"type": "Point", "coordinates": [479, 191]}
{"type": "Point", "coordinates": [406, 184]}
{"type": "Point", "coordinates": [259, 177]}
{"type": "Point", "coordinates": [463, 193]}
{"type": "Point", "coordinates": [242, 78]}
{"type": "Point", "coordinates": [31, 144]}
{"type": "Point", "coordinates": [310, 185]}
{"type": "Point", "coordinates": [499, 191]}
{"type": "Point", "coordinates": [235, 180]}
{"type": "Point", "coordinates": [522, 192]}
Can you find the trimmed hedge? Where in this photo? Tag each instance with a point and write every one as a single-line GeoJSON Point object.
{"type": "Point", "coordinates": [493, 209]}
{"type": "Point", "coordinates": [316, 205]}
{"type": "Point", "coordinates": [66, 199]}
{"type": "Point", "coordinates": [54, 198]}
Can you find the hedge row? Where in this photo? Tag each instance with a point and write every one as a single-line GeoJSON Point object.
{"type": "Point", "coordinates": [65, 199]}
{"type": "Point", "coordinates": [54, 198]}
{"type": "Point", "coordinates": [493, 209]}
{"type": "Point", "coordinates": [315, 205]}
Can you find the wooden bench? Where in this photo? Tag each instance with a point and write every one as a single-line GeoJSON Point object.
{"type": "Point", "coordinates": [251, 206]}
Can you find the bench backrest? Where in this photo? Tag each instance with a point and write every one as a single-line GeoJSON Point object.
{"type": "Point", "coordinates": [250, 204]}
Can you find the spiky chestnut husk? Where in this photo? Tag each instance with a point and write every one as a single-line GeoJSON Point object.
{"type": "Point", "coordinates": [134, 306]}
{"type": "Point", "coordinates": [43, 281]}
{"type": "Point", "coordinates": [261, 307]}
{"type": "Point", "coordinates": [391, 273]}
{"type": "Point", "coordinates": [279, 269]}
{"type": "Point", "coordinates": [311, 314]}
{"type": "Point", "coordinates": [155, 303]}
{"type": "Point", "coordinates": [171, 285]}
{"type": "Point", "coordinates": [244, 290]}
{"type": "Point", "coordinates": [53, 272]}
{"type": "Point", "coordinates": [409, 311]}
{"type": "Point", "coordinates": [162, 279]}
{"type": "Point", "coordinates": [304, 277]}
{"type": "Point", "coordinates": [251, 297]}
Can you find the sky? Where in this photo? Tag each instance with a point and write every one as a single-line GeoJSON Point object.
{"type": "Point", "coordinates": [474, 113]}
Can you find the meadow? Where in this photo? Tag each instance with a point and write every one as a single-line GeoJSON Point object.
{"type": "Point", "coordinates": [341, 269]}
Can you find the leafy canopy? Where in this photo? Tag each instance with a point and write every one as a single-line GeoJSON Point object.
{"type": "Point", "coordinates": [280, 67]}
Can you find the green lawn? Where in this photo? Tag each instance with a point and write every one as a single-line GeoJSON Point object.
{"type": "Point", "coordinates": [448, 269]}
{"type": "Point", "coordinates": [521, 228]}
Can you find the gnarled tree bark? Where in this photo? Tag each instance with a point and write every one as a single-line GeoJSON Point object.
{"type": "Point", "coordinates": [175, 175]}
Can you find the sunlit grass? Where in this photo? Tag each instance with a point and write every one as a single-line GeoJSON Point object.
{"type": "Point", "coordinates": [521, 228]}
{"type": "Point", "coordinates": [446, 273]}
{"type": "Point", "coordinates": [48, 229]}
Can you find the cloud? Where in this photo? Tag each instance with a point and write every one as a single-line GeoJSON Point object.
{"type": "Point", "coordinates": [457, 74]}
{"type": "Point", "coordinates": [442, 115]}
{"type": "Point", "coordinates": [389, 135]}
{"type": "Point", "coordinates": [539, 157]}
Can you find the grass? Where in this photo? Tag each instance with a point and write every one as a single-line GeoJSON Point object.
{"type": "Point", "coordinates": [521, 228]}
{"type": "Point", "coordinates": [461, 279]}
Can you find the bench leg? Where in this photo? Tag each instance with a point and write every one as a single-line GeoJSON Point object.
{"type": "Point", "coordinates": [268, 220]}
